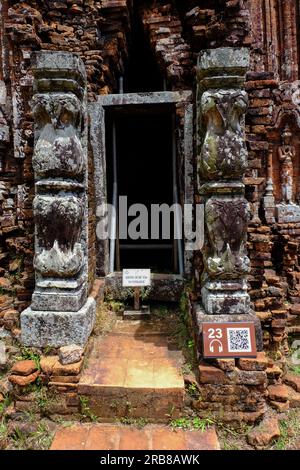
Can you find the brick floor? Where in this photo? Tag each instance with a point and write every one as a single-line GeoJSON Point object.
{"type": "Point", "coordinates": [135, 371]}
{"type": "Point", "coordinates": [120, 437]}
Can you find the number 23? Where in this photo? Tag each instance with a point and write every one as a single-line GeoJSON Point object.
{"type": "Point", "coordinates": [215, 333]}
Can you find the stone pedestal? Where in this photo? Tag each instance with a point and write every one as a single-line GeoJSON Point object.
{"type": "Point", "coordinates": [222, 161]}
{"type": "Point", "coordinates": [200, 316]}
{"type": "Point", "coordinates": [60, 312]}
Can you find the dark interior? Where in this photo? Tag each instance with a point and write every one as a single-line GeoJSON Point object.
{"type": "Point", "coordinates": [142, 73]}
{"type": "Point", "coordinates": [144, 170]}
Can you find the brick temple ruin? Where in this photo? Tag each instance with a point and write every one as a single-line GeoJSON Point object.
{"type": "Point", "coordinates": [209, 93]}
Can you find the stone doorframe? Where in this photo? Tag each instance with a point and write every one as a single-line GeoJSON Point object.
{"type": "Point", "coordinates": [183, 103]}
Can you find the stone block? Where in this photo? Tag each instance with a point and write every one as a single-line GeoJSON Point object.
{"type": "Point", "coordinates": [51, 366]}
{"type": "Point", "coordinates": [211, 375]}
{"type": "Point", "coordinates": [23, 380]}
{"type": "Point", "coordinates": [293, 381]}
{"type": "Point", "coordinates": [223, 61]}
{"type": "Point", "coordinates": [70, 354]}
{"type": "Point", "coordinates": [26, 367]}
{"type": "Point", "coordinates": [55, 329]}
{"type": "Point", "coordinates": [259, 363]}
{"type": "Point", "coordinates": [247, 377]}
{"type": "Point", "coordinates": [278, 393]}
{"type": "Point", "coordinates": [264, 433]}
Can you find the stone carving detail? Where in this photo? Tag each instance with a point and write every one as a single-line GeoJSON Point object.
{"type": "Point", "coordinates": [226, 221]}
{"type": "Point", "coordinates": [222, 161]}
{"type": "Point", "coordinates": [60, 312]}
{"type": "Point", "coordinates": [58, 150]}
{"type": "Point", "coordinates": [61, 253]}
{"type": "Point", "coordinates": [286, 153]}
{"type": "Point", "coordinates": [223, 153]}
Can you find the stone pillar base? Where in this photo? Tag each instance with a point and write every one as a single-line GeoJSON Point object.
{"type": "Point", "coordinates": [200, 317]}
{"type": "Point", "coordinates": [225, 297]}
{"type": "Point", "coordinates": [55, 329]}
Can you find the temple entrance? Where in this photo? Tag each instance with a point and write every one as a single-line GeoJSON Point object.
{"type": "Point", "coordinates": [142, 151]}
{"type": "Point", "coordinates": [142, 170]}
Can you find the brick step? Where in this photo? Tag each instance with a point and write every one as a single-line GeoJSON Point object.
{"type": "Point", "coordinates": [120, 437]}
{"type": "Point", "coordinates": [134, 372]}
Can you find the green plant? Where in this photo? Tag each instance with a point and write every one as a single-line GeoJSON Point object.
{"type": "Point", "coordinates": [227, 446]}
{"type": "Point", "coordinates": [295, 369]}
{"type": "Point", "coordinates": [192, 423]}
{"type": "Point", "coordinates": [27, 353]}
{"type": "Point", "coordinates": [138, 422]}
{"type": "Point", "coordinates": [160, 311]}
{"type": "Point", "coordinates": [283, 439]}
{"type": "Point", "coordinates": [116, 306]}
{"type": "Point", "coordinates": [4, 404]}
{"type": "Point", "coordinates": [19, 439]}
{"type": "Point", "coordinates": [85, 409]}
{"type": "Point", "coordinates": [193, 390]}
{"type": "Point", "coordinates": [3, 430]}
{"type": "Point", "coordinates": [145, 292]}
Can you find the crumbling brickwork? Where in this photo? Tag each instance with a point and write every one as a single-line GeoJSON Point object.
{"type": "Point", "coordinates": [176, 31]}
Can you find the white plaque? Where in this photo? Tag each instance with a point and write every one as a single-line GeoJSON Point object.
{"type": "Point", "coordinates": [136, 277]}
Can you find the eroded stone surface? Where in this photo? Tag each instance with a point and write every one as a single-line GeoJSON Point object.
{"type": "Point", "coordinates": [70, 354]}
{"type": "Point", "coordinates": [263, 434]}
{"type": "Point", "coordinates": [23, 380]}
{"type": "Point", "coordinates": [118, 437]}
{"type": "Point", "coordinates": [24, 367]}
{"type": "Point", "coordinates": [133, 371]}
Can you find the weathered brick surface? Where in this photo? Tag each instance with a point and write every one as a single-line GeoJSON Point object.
{"type": "Point", "coordinates": [101, 33]}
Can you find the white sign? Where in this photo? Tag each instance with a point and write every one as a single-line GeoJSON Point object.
{"type": "Point", "coordinates": [136, 277]}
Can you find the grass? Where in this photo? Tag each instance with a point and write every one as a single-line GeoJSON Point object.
{"type": "Point", "coordinates": [191, 423]}
{"type": "Point", "coordinates": [138, 422]}
{"type": "Point", "coordinates": [4, 404]}
{"type": "Point", "coordinates": [295, 369]}
{"type": "Point", "coordinates": [38, 440]}
{"type": "Point", "coordinates": [289, 431]}
{"type": "Point", "coordinates": [3, 434]}
{"type": "Point", "coordinates": [85, 409]}
{"type": "Point", "coordinates": [105, 317]}
{"type": "Point", "coordinates": [27, 353]}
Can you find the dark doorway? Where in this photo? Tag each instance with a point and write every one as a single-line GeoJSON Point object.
{"type": "Point", "coordinates": [144, 165]}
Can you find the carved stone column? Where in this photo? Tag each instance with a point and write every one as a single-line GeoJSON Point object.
{"type": "Point", "coordinates": [60, 312]}
{"type": "Point", "coordinates": [222, 160]}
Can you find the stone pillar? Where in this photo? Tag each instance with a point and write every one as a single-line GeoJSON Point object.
{"type": "Point", "coordinates": [60, 312]}
{"type": "Point", "coordinates": [222, 161]}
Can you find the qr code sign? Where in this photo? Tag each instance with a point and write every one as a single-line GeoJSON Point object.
{"type": "Point", "coordinates": [239, 340]}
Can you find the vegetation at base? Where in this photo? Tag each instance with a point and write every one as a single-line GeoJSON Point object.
{"type": "Point", "coordinates": [138, 422]}
{"type": "Point", "coordinates": [289, 431]}
{"type": "Point", "coordinates": [27, 353]}
{"type": "Point", "coordinates": [86, 413]}
{"type": "Point", "coordinates": [191, 423]}
{"type": "Point", "coordinates": [295, 369]}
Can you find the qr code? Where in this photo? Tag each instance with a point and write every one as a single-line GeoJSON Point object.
{"type": "Point", "coordinates": [239, 340]}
